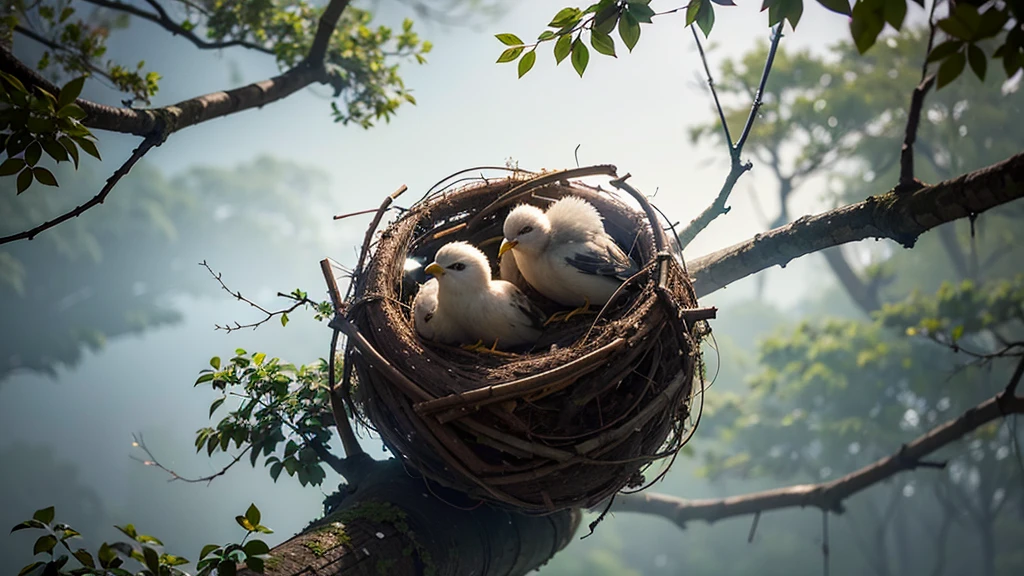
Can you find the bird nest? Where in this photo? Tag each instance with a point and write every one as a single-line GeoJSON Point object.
{"type": "Point", "coordinates": [582, 416]}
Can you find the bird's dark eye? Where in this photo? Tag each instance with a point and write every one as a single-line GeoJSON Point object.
{"type": "Point", "coordinates": [525, 230]}
{"type": "Point", "coordinates": [428, 316]}
{"type": "Point", "coordinates": [457, 266]}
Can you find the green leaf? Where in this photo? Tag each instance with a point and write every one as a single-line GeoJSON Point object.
{"type": "Point", "coordinates": [70, 146]}
{"type": "Point", "coordinates": [33, 153]}
{"type": "Point", "coordinates": [216, 404]}
{"type": "Point", "coordinates": [152, 559]}
{"type": "Point", "coordinates": [252, 514]}
{"type": "Point", "coordinates": [565, 17]}
{"type": "Point", "coordinates": [603, 43]}
{"type": "Point", "coordinates": [207, 550]}
{"type": "Point", "coordinates": [226, 568]}
{"type": "Point", "coordinates": [894, 12]}
{"type": "Point", "coordinates": [527, 62]}
{"type": "Point", "coordinates": [128, 530]}
{"type": "Point", "coordinates": [840, 6]}
{"type": "Point", "coordinates": [14, 82]}
{"type": "Point", "coordinates": [84, 557]}
{"type": "Point", "coordinates": [954, 28]}
{"type": "Point", "coordinates": [629, 30]}
{"type": "Point", "coordinates": [706, 19]}
{"type": "Point", "coordinates": [44, 176]}
{"type": "Point", "coordinates": [171, 560]}
{"type": "Point", "coordinates": [943, 50]}
{"type": "Point", "coordinates": [215, 362]}
{"type": "Point", "coordinates": [106, 555]}
{"type": "Point", "coordinates": [795, 9]}
{"type": "Point", "coordinates": [605, 20]}
{"type": "Point", "coordinates": [244, 523]}
{"type": "Point", "coordinates": [643, 13]}
{"type": "Point", "coordinates": [11, 166]}
{"type": "Point", "coordinates": [258, 358]}
{"type": "Point", "coordinates": [69, 93]}
{"type": "Point", "coordinates": [29, 524]}
{"type": "Point", "coordinates": [45, 544]}
{"type": "Point", "coordinates": [275, 470]}
{"type": "Point", "coordinates": [580, 56]}
{"type": "Point", "coordinates": [256, 548]}
{"type": "Point", "coordinates": [958, 332]}
{"type": "Point", "coordinates": [509, 39]}
{"type": "Point", "coordinates": [24, 180]}
{"type": "Point", "coordinates": [204, 378]}
{"type": "Point", "coordinates": [71, 111]}
{"type": "Point", "coordinates": [146, 539]}
{"type": "Point", "coordinates": [254, 564]}
{"type": "Point", "coordinates": [692, 9]}
{"type": "Point", "coordinates": [950, 69]}
{"type": "Point", "coordinates": [284, 316]}
{"type": "Point", "coordinates": [976, 57]}
{"type": "Point", "coordinates": [89, 147]}
{"type": "Point", "coordinates": [865, 25]}
{"type": "Point", "coordinates": [27, 570]}
{"type": "Point", "coordinates": [546, 35]}
{"type": "Point", "coordinates": [562, 48]}
{"type": "Point", "coordinates": [510, 55]}
{"type": "Point", "coordinates": [54, 149]}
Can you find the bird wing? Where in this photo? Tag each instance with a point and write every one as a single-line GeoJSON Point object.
{"type": "Point", "coordinates": [523, 303]}
{"type": "Point", "coordinates": [601, 256]}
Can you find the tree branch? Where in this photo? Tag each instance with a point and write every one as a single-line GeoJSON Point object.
{"type": "Point", "coordinates": [737, 167]}
{"type": "Point", "coordinates": [902, 217]}
{"type": "Point", "coordinates": [162, 19]}
{"type": "Point", "coordinates": [827, 496]}
{"type": "Point", "coordinates": [324, 30]}
{"type": "Point", "coordinates": [147, 144]}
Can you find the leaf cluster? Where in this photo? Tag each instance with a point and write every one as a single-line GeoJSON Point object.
{"type": "Point", "coordinates": [147, 551]}
{"type": "Point", "coordinates": [34, 122]}
{"type": "Point", "coordinates": [278, 403]}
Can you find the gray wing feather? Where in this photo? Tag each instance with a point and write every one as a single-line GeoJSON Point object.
{"type": "Point", "coordinates": [527, 307]}
{"type": "Point", "coordinates": [602, 257]}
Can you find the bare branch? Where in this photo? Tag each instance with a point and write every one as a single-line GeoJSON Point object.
{"type": "Point", "coordinates": [151, 460]}
{"type": "Point", "coordinates": [237, 295]}
{"type": "Point", "coordinates": [162, 19]}
{"type": "Point", "coordinates": [737, 167]}
{"type": "Point", "coordinates": [827, 496]}
{"type": "Point", "coordinates": [324, 30]}
{"type": "Point", "coordinates": [902, 217]}
{"type": "Point", "coordinates": [345, 432]}
{"type": "Point", "coordinates": [148, 143]}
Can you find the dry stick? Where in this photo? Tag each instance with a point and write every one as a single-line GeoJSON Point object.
{"type": "Point", "coordinates": [902, 217]}
{"type": "Point", "coordinates": [373, 228]}
{"type": "Point", "coordinates": [151, 460]}
{"type": "Point", "coordinates": [737, 167]}
{"type": "Point", "coordinates": [237, 295]}
{"type": "Point", "coordinates": [827, 495]}
{"type": "Point", "coordinates": [147, 144]}
{"type": "Point", "coordinates": [345, 432]}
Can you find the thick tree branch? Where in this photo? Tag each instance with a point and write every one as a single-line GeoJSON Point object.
{"type": "Point", "coordinates": [162, 19]}
{"type": "Point", "coordinates": [324, 30]}
{"type": "Point", "coordinates": [737, 166]}
{"type": "Point", "coordinates": [902, 217]}
{"type": "Point", "coordinates": [828, 496]}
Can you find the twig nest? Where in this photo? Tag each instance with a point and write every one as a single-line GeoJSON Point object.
{"type": "Point", "coordinates": [572, 422]}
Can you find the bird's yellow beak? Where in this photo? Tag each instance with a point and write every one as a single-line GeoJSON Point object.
{"type": "Point", "coordinates": [507, 245]}
{"type": "Point", "coordinates": [434, 270]}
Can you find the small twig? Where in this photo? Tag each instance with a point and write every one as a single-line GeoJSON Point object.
{"type": "Point", "coordinates": [1011, 388]}
{"type": "Point", "coordinates": [152, 461]}
{"type": "Point", "coordinates": [907, 180]}
{"type": "Point", "coordinates": [824, 542]}
{"type": "Point", "coordinates": [711, 85]}
{"type": "Point", "coordinates": [737, 167]}
{"type": "Point", "coordinates": [147, 144]}
{"type": "Point", "coordinates": [753, 527]}
{"type": "Point", "coordinates": [367, 240]}
{"type": "Point", "coordinates": [237, 295]}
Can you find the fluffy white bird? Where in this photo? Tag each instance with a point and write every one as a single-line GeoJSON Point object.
{"type": "Point", "coordinates": [431, 325]}
{"type": "Point", "coordinates": [565, 252]}
{"type": "Point", "coordinates": [488, 311]}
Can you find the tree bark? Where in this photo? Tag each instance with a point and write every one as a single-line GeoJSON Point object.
{"type": "Point", "coordinates": [396, 524]}
{"type": "Point", "coordinates": [900, 216]}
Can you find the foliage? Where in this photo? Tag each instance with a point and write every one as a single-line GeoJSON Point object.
{"type": "Point", "coordinates": [278, 403]}
{"type": "Point", "coordinates": [33, 123]}
{"type": "Point", "coordinates": [967, 27]}
{"type": "Point", "coordinates": [361, 61]}
{"type": "Point", "coordinates": [147, 551]}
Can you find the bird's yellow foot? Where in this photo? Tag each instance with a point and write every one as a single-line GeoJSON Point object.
{"type": "Point", "coordinates": [483, 349]}
{"type": "Point", "coordinates": [565, 316]}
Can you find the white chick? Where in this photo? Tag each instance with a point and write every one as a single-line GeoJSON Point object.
{"type": "Point", "coordinates": [489, 311]}
{"type": "Point", "coordinates": [565, 252]}
{"type": "Point", "coordinates": [431, 325]}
